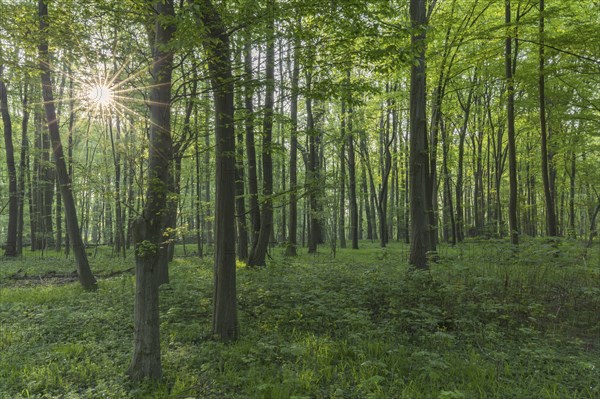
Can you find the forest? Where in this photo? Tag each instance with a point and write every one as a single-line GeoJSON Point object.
{"type": "Point", "coordinates": [300, 199]}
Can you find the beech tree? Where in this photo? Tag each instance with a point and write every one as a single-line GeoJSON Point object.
{"type": "Point", "coordinates": [13, 200]}
{"type": "Point", "coordinates": [151, 250]}
{"type": "Point", "coordinates": [419, 233]}
{"type": "Point", "coordinates": [216, 46]}
{"type": "Point", "coordinates": [86, 278]}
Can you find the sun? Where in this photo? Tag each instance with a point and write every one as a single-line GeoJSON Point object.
{"type": "Point", "coordinates": [100, 95]}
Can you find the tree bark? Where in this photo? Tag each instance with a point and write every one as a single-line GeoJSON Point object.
{"type": "Point", "coordinates": [551, 227]}
{"type": "Point", "coordinates": [216, 46]}
{"type": "Point", "coordinates": [10, 249]}
{"type": "Point", "coordinates": [419, 160]}
{"type": "Point", "coordinates": [151, 249]}
{"type": "Point", "coordinates": [313, 174]}
{"type": "Point", "coordinates": [352, 178]}
{"type": "Point", "coordinates": [512, 151]}
{"type": "Point", "coordinates": [293, 209]}
{"type": "Point", "coordinates": [86, 278]}
{"type": "Point", "coordinates": [342, 160]}
{"type": "Point", "coordinates": [259, 252]}
{"type": "Point", "coordinates": [250, 146]}
{"type": "Point", "coordinates": [466, 107]}
{"type": "Point", "coordinates": [24, 168]}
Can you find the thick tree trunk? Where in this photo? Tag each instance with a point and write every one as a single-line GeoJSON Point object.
{"type": "Point", "coordinates": [86, 278]}
{"type": "Point", "coordinates": [216, 45]}
{"type": "Point", "coordinates": [148, 230]}
{"type": "Point", "coordinates": [419, 159]}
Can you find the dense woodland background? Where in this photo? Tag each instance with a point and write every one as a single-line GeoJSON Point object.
{"type": "Point", "coordinates": [243, 131]}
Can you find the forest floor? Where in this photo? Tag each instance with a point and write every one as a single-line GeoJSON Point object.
{"type": "Point", "coordinates": [487, 321]}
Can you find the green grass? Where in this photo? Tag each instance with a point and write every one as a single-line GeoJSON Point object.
{"type": "Point", "coordinates": [486, 322]}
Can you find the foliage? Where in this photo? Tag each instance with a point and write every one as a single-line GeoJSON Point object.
{"type": "Point", "coordinates": [486, 321]}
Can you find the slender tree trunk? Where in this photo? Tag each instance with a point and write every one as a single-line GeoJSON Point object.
{"type": "Point", "coordinates": [352, 177]}
{"type": "Point", "coordinates": [197, 201]}
{"type": "Point", "coordinates": [448, 208]}
{"type": "Point", "coordinates": [86, 278]}
{"type": "Point", "coordinates": [342, 182]}
{"type": "Point", "coordinates": [313, 173]}
{"type": "Point", "coordinates": [593, 230]}
{"type": "Point", "coordinates": [240, 202]}
{"type": "Point", "coordinates": [365, 198]}
{"type": "Point", "coordinates": [259, 252]}
{"type": "Point", "coordinates": [386, 143]}
{"type": "Point", "coordinates": [293, 219]}
{"type": "Point", "coordinates": [460, 225]}
{"type": "Point", "coordinates": [250, 146]}
{"type": "Point", "coordinates": [24, 169]}
{"type": "Point", "coordinates": [10, 249]}
{"type": "Point", "coordinates": [572, 232]}
{"type": "Point", "coordinates": [512, 151]}
{"type": "Point", "coordinates": [551, 227]}
{"type": "Point", "coordinates": [119, 241]}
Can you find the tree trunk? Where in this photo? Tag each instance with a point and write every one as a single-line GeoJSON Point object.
{"type": "Point", "coordinates": [460, 225]}
{"type": "Point", "coordinates": [240, 201]}
{"type": "Point", "coordinates": [86, 278]}
{"type": "Point", "coordinates": [10, 249]}
{"type": "Point", "coordinates": [259, 252]}
{"type": "Point", "coordinates": [151, 250]}
{"type": "Point", "coordinates": [571, 173]}
{"type": "Point", "coordinates": [313, 173]}
{"type": "Point", "coordinates": [342, 182]}
{"type": "Point", "coordinates": [250, 146]}
{"type": "Point", "coordinates": [365, 200]}
{"type": "Point", "coordinates": [216, 45]}
{"type": "Point", "coordinates": [551, 227]}
{"type": "Point", "coordinates": [293, 219]}
{"type": "Point", "coordinates": [419, 160]}
{"type": "Point", "coordinates": [24, 168]}
{"type": "Point", "coordinates": [352, 178]}
{"type": "Point", "coordinates": [512, 151]}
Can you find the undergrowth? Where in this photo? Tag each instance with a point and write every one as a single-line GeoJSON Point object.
{"type": "Point", "coordinates": [488, 321]}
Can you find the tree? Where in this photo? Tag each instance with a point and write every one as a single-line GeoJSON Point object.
{"type": "Point", "coordinates": [151, 250]}
{"type": "Point", "coordinates": [86, 278]}
{"type": "Point", "coordinates": [551, 227]}
{"type": "Point", "coordinates": [419, 161]}
{"type": "Point", "coordinates": [510, 110]}
{"type": "Point", "coordinates": [259, 252]}
{"type": "Point", "coordinates": [216, 47]}
{"type": "Point", "coordinates": [293, 208]}
{"type": "Point", "coordinates": [13, 198]}
{"type": "Point", "coordinates": [351, 173]}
